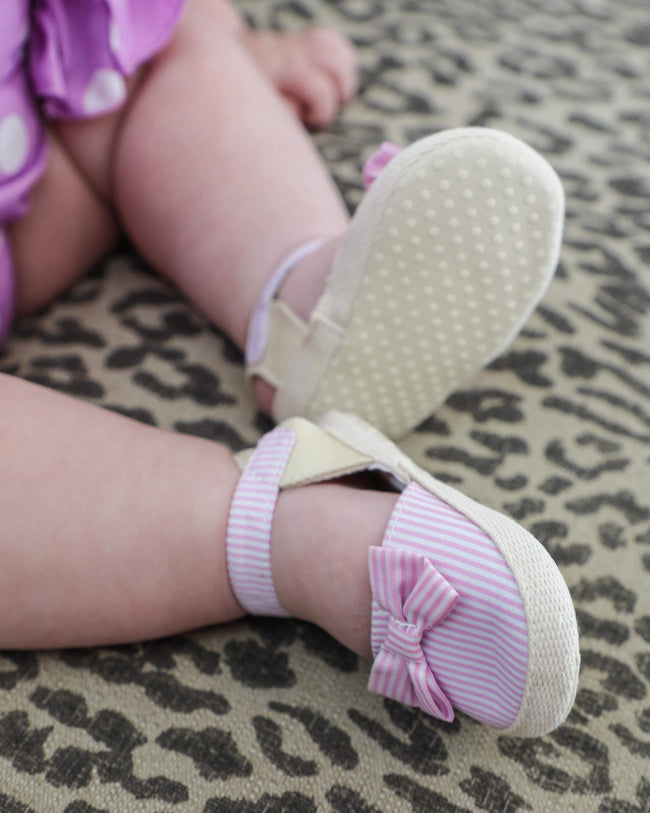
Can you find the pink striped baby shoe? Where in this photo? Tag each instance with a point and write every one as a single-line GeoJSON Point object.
{"type": "Point", "coordinates": [469, 611]}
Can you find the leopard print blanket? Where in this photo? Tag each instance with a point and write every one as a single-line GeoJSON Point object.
{"type": "Point", "coordinates": [269, 715]}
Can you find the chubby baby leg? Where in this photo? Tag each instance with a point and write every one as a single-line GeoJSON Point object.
{"type": "Point", "coordinates": [113, 531]}
{"type": "Point", "coordinates": [67, 229]}
{"type": "Point", "coordinates": [211, 174]}
{"type": "Point", "coordinates": [110, 529]}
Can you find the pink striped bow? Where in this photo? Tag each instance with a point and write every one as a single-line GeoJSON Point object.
{"type": "Point", "coordinates": [416, 597]}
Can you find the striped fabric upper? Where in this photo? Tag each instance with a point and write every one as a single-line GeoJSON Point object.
{"type": "Point", "coordinates": [248, 541]}
{"type": "Point", "coordinates": [416, 597]}
{"type": "Point", "coordinates": [448, 622]}
{"type": "Point", "coordinates": [477, 649]}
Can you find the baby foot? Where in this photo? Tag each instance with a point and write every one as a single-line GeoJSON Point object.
{"type": "Point", "coordinates": [314, 70]}
{"type": "Point", "coordinates": [459, 606]}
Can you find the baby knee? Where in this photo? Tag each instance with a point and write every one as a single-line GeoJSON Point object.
{"type": "Point", "coordinates": [204, 27]}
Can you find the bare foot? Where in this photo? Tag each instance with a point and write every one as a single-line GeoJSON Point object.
{"type": "Point", "coordinates": [315, 70]}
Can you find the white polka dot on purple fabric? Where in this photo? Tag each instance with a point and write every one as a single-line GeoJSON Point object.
{"type": "Point", "coordinates": [106, 90]}
{"type": "Point", "coordinates": [14, 143]}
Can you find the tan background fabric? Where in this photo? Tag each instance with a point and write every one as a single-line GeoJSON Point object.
{"type": "Point", "coordinates": [268, 715]}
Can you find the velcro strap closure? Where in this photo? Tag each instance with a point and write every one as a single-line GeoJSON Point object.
{"type": "Point", "coordinates": [248, 539]}
{"type": "Point", "coordinates": [285, 336]}
{"type": "Point", "coordinates": [306, 370]}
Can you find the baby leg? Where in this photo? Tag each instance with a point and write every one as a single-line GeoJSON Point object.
{"type": "Point", "coordinates": [113, 531]}
{"type": "Point", "coordinates": [91, 500]}
{"type": "Point", "coordinates": [211, 174]}
{"type": "Point", "coordinates": [66, 230]}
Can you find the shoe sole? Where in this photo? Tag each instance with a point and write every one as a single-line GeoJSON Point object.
{"type": "Point", "coordinates": [465, 229]}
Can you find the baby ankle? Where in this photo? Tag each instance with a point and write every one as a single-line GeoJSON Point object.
{"type": "Point", "coordinates": [306, 281]}
{"type": "Point", "coordinates": [321, 537]}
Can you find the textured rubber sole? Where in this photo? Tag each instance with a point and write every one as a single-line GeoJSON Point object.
{"type": "Point", "coordinates": [446, 258]}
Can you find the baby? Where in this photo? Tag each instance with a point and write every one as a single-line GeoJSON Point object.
{"type": "Point", "coordinates": [183, 129]}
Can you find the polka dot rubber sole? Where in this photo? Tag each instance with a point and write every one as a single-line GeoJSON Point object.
{"type": "Point", "coordinates": [450, 251]}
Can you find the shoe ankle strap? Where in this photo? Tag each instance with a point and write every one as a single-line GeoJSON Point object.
{"type": "Point", "coordinates": [258, 326]}
{"type": "Point", "coordinates": [248, 538]}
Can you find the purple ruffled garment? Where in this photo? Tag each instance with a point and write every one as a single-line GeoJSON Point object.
{"type": "Point", "coordinates": [63, 59]}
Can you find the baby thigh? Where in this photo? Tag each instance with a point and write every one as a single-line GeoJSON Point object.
{"type": "Point", "coordinates": [66, 230]}
{"type": "Point", "coordinates": [92, 143]}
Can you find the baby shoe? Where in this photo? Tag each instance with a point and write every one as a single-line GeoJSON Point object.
{"type": "Point", "coordinates": [469, 611]}
{"type": "Point", "coordinates": [447, 255]}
